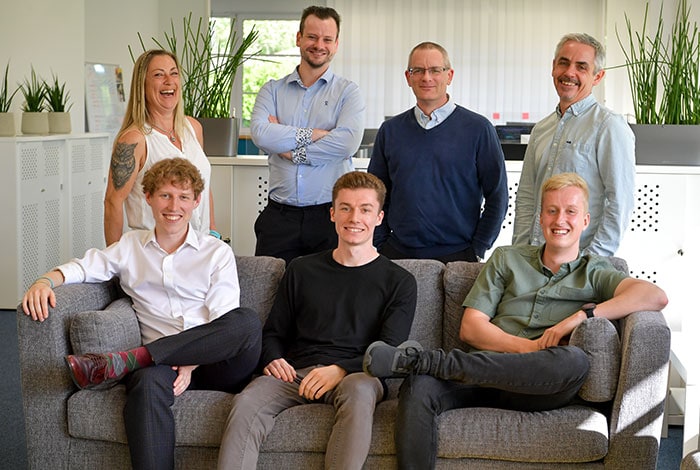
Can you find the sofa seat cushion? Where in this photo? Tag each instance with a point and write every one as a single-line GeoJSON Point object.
{"type": "Point", "coordinates": [200, 416]}
{"type": "Point", "coordinates": [569, 434]}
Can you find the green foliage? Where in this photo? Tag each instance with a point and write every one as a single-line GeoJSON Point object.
{"type": "Point", "coordinates": [208, 66]}
{"type": "Point", "coordinates": [5, 95]}
{"type": "Point", "coordinates": [663, 71]}
{"type": "Point", "coordinates": [34, 94]}
{"type": "Point", "coordinates": [56, 96]}
{"type": "Point", "coordinates": [278, 55]}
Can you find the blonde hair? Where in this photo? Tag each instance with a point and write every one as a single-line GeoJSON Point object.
{"type": "Point", "coordinates": [566, 180]}
{"type": "Point", "coordinates": [137, 114]}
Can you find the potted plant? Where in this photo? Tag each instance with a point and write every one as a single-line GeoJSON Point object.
{"type": "Point", "coordinates": [57, 99]}
{"type": "Point", "coordinates": [664, 75]}
{"type": "Point", "coordinates": [34, 120]}
{"type": "Point", "coordinates": [7, 119]}
{"type": "Point", "coordinates": [209, 69]}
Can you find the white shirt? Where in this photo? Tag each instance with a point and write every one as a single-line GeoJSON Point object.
{"type": "Point", "coordinates": [171, 292]}
{"type": "Point", "coordinates": [159, 147]}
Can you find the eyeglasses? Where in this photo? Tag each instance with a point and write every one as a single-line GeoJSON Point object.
{"type": "Point", "coordinates": [419, 71]}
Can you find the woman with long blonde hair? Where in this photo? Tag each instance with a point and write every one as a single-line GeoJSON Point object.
{"type": "Point", "coordinates": [154, 128]}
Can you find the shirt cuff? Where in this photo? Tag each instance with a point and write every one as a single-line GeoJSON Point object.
{"type": "Point", "coordinates": [303, 136]}
{"type": "Point", "coordinates": [72, 272]}
{"type": "Point", "coordinates": [299, 156]}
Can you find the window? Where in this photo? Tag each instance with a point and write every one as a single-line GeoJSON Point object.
{"type": "Point", "coordinates": [278, 56]}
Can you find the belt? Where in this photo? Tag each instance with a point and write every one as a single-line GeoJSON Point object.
{"type": "Point", "coordinates": [286, 207]}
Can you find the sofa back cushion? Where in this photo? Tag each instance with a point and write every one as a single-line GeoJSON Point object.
{"type": "Point", "coordinates": [259, 278]}
{"type": "Point", "coordinates": [99, 331]}
{"type": "Point", "coordinates": [427, 322]}
{"type": "Point", "coordinates": [116, 328]}
{"type": "Point", "coordinates": [458, 279]}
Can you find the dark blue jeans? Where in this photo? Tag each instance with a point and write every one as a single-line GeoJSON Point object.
{"type": "Point", "coordinates": [536, 381]}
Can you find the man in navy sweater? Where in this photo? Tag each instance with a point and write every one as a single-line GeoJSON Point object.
{"type": "Point", "coordinates": [439, 162]}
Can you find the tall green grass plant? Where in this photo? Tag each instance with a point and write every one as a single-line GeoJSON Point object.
{"type": "Point", "coordinates": [663, 69]}
{"type": "Point", "coordinates": [208, 67]}
{"type": "Point", "coordinates": [5, 96]}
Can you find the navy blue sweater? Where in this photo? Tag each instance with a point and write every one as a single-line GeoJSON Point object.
{"type": "Point", "coordinates": [437, 180]}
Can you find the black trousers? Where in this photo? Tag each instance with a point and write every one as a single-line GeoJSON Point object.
{"type": "Point", "coordinates": [465, 255]}
{"type": "Point", "coordinates": [227, 351]}
{"type": "Point", "coordinates": [286, 231]}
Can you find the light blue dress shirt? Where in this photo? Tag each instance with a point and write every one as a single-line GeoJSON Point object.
{"type": "Point", "coordinates": [332, 103]}
{"type": "Point", "coordinates": [596, 143]}
{"type": "Point", "coordinates": [437, 116]}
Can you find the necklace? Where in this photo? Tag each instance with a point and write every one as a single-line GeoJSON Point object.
{"type": "Point", "coordinates": [171, 134]}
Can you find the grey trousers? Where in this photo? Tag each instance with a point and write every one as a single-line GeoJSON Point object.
{"type": "Point", "coordinates": [255, 408]}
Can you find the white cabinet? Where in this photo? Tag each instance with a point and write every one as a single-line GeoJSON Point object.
{"type": "Point", "coordinates": [661, 243]}
{"type": "Point", "coordinates": [53, 189]}
{"type": "Point", "coordinates": [239, 185]}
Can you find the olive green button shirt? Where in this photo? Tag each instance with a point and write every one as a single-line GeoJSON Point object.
{"type": "Point", "coordinates": [523, 297]}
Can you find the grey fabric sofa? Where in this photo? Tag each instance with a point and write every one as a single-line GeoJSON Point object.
{"type": "Point", "coordinates": [71, 429]}
{"type": "Point", "coordinates": [691, 461]}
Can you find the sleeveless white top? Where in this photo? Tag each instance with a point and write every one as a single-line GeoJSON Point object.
{"type": "Point", "coordinates": [159, 147]}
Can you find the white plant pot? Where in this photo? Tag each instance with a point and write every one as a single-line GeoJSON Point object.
{"type": "Point", "coordinates": [35, 123]}
{"type": "Point", "coordinates": [7, 125]}
{"type": "Point", "coordinates": [59, 122]}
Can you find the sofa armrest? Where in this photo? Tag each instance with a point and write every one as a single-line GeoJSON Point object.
{"type": "Point", "coordinates": [46, 383]}
{"type": "Point", "coordinates": [638, 407]}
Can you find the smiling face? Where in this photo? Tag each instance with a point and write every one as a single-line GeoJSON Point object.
{"type": "Point", "coordinates": [563, 218]}
{"type": "Point", "coordinates": [356, 213]}
{"type": "Point", "coordinates": [162, 84]}
{"type": "Point", "coordinates": [573, 72]}
{"type": "Point", "coordinates": [430, 88]}
{"type": "Point", "coordinates": [172, 208]}
{"type": "Point", "coordinates": [318, 42]}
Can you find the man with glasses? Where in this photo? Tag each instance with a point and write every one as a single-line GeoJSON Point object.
{"type": "Point", "coordinates": [440, 163]}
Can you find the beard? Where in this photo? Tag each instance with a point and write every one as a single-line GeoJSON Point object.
{"type": "Point", "coordinates": [316, 62]}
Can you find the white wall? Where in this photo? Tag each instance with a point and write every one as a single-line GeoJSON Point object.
{"type": "Point", "coordinates": [111, 27]}
{"type": "Point", "coordinates": [60, 37]}
{"type": "Point", "coordinates": [50, 36]}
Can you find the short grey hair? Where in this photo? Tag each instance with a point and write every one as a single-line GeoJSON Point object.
{"type": "Point", "coordinates": [583, 38]}
{"type": "Point", "coordinates": [431, 45]}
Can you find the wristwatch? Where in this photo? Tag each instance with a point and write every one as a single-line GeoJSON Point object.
{"type": "Point", "coordinates": [589, 309]}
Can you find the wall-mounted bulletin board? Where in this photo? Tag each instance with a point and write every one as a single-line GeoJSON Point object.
{"type": "Point", "coordinates": [105, 102]}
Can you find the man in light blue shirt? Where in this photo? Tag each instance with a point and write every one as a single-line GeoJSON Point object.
{"type": "Point", "coordinates": [583, 137]}
{"type": "Point", "coordinates": [310, 123]}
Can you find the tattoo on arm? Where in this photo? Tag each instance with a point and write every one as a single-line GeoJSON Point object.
{"type": "Point", "coordinates": [123, 164]}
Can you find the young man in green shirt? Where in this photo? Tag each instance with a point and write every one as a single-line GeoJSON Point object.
{"type": "Point", "coordinates": [525, 302]}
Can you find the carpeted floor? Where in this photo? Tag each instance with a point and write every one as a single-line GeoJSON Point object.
{"type": "Point", "coordinates": [12, 445]}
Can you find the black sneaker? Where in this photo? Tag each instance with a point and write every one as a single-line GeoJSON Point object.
{"type": "Point", "coordinates": [382, 360]}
